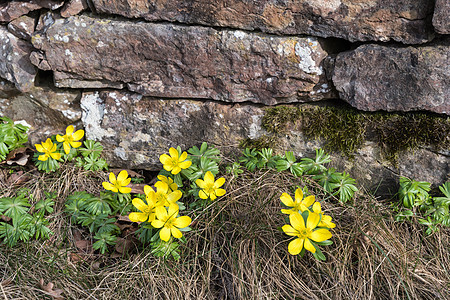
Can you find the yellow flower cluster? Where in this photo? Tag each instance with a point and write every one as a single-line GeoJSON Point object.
{"type": "Point", "coordinates": [309, 227]}
{"type": "Point", "coordinates": [49, 149]}
{"type": "Point", "coordinates": [160, 209]}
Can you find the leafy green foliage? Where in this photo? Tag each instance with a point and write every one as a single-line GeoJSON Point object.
{"type": "Point", "coordinates": [90, 158]}
{"type": "Point", "coordinates": [24, 224]}
{"type": "Point", "coordinates": [166, 249]}
{"type": "Point", "coordinates": [288, 162]}
{"type": "Point", "coordinates": [432, 211]}
{"type": "Point", "coordinates": [203, 160]}
{"type": "Point", "coordinates": [317, 165]}
{"type": "Point", "coordinates": [103, 240]}
{"type": "Point", "coordinates": [12, 136]}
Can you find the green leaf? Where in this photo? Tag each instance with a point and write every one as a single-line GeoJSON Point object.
{"type": "Point", "coordinates": [166, 249]}
{"type": "Point", "coordinates": [103, 240]}
{"type": "Point", "coordinates": [14, 207]}
{"type": "Point", "coordinates": [317, 165]}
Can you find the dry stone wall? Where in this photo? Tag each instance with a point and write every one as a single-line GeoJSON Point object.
{"type": "Point", "coordinates": [143, 75]}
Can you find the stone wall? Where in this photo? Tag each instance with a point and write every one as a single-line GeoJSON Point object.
{"type": "Point", "coordinates": [143, 75]}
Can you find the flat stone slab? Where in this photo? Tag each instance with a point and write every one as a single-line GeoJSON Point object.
{"type": "Point", "coordinates": [376, 77]}
{"type": "Point", "coordinates": [405, 21]}
{"type": "Point", "coordinates": [441, 16]}
{"type": "Point", "coordinates": [165, 60]}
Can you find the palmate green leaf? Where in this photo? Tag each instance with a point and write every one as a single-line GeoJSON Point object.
{"type": "Point", "coordinates": [249, 159]}
{"type": "Point", "coordinates": [91, 148]}
{"type": "Point", "coordinates": [14, 207]}
{"type": "Point", "coordinates": [345, 187]}
{"type": "Point", "coordinates": [166, 249]}
{"type": "Point", "coordinates": [327, 178]}
{"type": "Point", "coordinates": [40, 228]}
{"type": "Point", "coordinates": [443, 201]}
{"type": "Point", "coordinates": [98, 205]}
{"type": "Point", "coordinates": [413, 193]}
{"type": "Point", "coordinates": [21, 229]}
{"type": "Point", "coordinates": [195, 154]}
{"type": "Point", "coordinates": [317, 165]}
{"type": "Point", "coordinates": [109, 226]}
{"type": "Point", "coordinates": [103, 240]}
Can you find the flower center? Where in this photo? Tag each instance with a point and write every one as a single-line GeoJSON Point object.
{"type": "Point", "coordinates": [304, 233]}
{"type": "Point", "coordinates": [174, 162]}
{"type": "Point", "coordinates": [209, 188]}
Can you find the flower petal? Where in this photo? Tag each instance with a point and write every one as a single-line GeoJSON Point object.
{"type": "Point", "coordinates": [55, 155]}
{"type": "Point", "coordinates": [78, 135]}
{"type": "Point", "coordinates": [138, 217]}
{"type": "Point", "coordinates": [75, 144]}
{"type": "Point", "coordinates": [220, 192]}
{"type": "Point", "coordinates": [313, 220]}
{"type": "Point", "coordinates": [289, 230]}
{"type": "Point", "coordinates": [296, 246]}
{"type": "Point", "coordinates": [287, 199]}
{"type": "Point", "coordinates": [288, 211]}
{"type": "Point", "coordinates": [122, 176]}
{"type": "Point", "coordinates": [182, 222]}
{"type": "Point", "coordinates": [308, 201]}
{"type": "Point", "coordinates": [139, 204]}
{"type": "Point", "coordinates": [173, 210]}
{"type": "Point", "coordinates": [157, 223]}
{"type": "Point", "coordinates": [174, 196]}
{"type": "Point", "coordinates": [59, 138]}
{"type": "Point", "coordinates": [69, 130]}
{"type": "Point", "coordinates": [148, 189]}
{"type": "Point", "coordinates": [203, 195]}
{"type": "Point", "coordinates": [124, 190]}
{"type": "Point", "coordinates": [298, 195]}
{"type": "Point", "coordinates": [326, 220]}
{"type": "Point", "coordinates": [112, 178]}
{"type": "Point", "coordinates": [164, 159]}
{"type": "Point", "coordinates": [176, 170]}
{"type": "Point", "coordinates": [161, 212]}
{"type": "Point", "coordinates": [39, 147]}
{"type": "Point", "coordinates": [320, 235]}
{"type": "Point", "coordinates": [209, 177]}
{"type": "Point", "coordinates": [164, 234]}
{"type": "Point", "coordinates": [297, 221]}
{"type": "Point", "coordinates": [43, 157]}
{"type": "Point", "coordinates": [185, 164]}
{"type": "Point", "coordinates": [317, 208]}
{"type": "Point", "coordinates": [108, 186]}
{"type": "Point", "coordinates": [162, 187]}
{"type": "Point", "coordinates": [200, 183]}
{"type": "Point", "coordinates": [309, 246]}
{"type": "Point", "coordinates": [183, 156]}
{"type": "Point", "coordinates": [176, 232]}
{"type": "Point", "coordinates": [173, 152]}
{"type": "Point", "coordinates": [66, 147]}
{"type": "Point", "coordinates": [219, 182]}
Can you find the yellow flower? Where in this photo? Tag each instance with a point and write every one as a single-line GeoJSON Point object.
{"type": "Point", "coordinates": [304, 233]}
{"type": "Point", "coordinates": [119, 184]}
{"type": "Point", "coordinates": [169, 223]}
{"type": "Point", "coordinates": [299, 204]}
{"type": "Point", "coordinates": [326, 220]}
{"type": "Point", "coordinates": [175, 162]}
{"type": "Point", "coordinates": [48, 148]}
{"type": "Point", "coordinates": [148, 210]}
{"type": "Point", "coordinates": [164, 196]}
{"type": "Point", "coordinates": [169, 181]}
{"type": "Point", "coordinates": [210, 188]}
{"type": "Point", "coordinates": [70, 138]}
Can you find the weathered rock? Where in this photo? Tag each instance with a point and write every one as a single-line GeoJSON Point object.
{"type": "Point", "coordinates": [7, 89]}
{"type": "Point", "coordinates": [405, 21]}
{"type": "Point", "coordinates": [375, 77]}
{"type": "Point", "coordinates": [15, 65]}
{"type": "Point", "coordinates": [441, 16]}
{"type": "Point", "coordinates": [10, 10]}
{"type": "Point", "coordinates": [22, 27]}
{"type": "Point", "coordinates": [73, 7]}
{"type": "Point", "coordinates": [177, 61]}
{"type": "Point", "coordinates": [136, 130]}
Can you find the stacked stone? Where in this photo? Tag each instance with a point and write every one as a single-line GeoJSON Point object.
{"type": "Point", "coordinates": [145, 75]}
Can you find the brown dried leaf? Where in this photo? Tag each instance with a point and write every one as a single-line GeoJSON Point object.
{"type": "Point", "coordinates": [17, 178]}
{"type": "Point", "coordinates": [18, 156]}
{"type": "Point", "coordinates": [5, 218]}
{"type": "Point", "coordinates": [131, 173]}
{"type": "Point", "coordinates": [48, 289]}
{"type": "Point", "coordinates": [137, 188]}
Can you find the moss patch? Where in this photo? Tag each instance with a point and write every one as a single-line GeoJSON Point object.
{"type": "Point", "coordinates": [344, 129]}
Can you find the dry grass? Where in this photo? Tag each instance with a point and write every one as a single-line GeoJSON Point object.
{"type": "Point", "coordinates": [237, 251]}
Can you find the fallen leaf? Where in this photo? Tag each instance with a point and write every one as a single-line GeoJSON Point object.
{"type": "Point", "coordinates": [18, 156]}
{"type": "Point", "coordinates": [137, 188]}
{"type": "Point", "coordinates": [18, 178]}
{"type": "Point", "coordinates": [55, 294]}
{"type": "Point", "coordinates": [5, 218]}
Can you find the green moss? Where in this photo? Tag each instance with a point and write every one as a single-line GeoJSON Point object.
{"type": "Point", "coordinates": [264, 141]}
{"type": "Point", "coordinates": [344, 129]}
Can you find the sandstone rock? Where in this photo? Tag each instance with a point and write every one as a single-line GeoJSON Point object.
{"type": "Point", "coordinates": [15, 65]}
{"type": "Point", "coordinates": [178, 61]}
{"type": "Point", "coordinates": [441, 17]}
{"type": "Point", "coordinates": [22, 27]}
{"type": "Point", "coordinates": [136, 130]}
{"type": "Point", "coordinates": [7, 89]}
{"type": "Point", "coordinates": [73, 7]}
{"type": "Point", "coordinates": [376, 77]}
{"type": "Point", "coordinates": [405, 21]}
{"type": "Point", "coordinates": [10, 10]}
